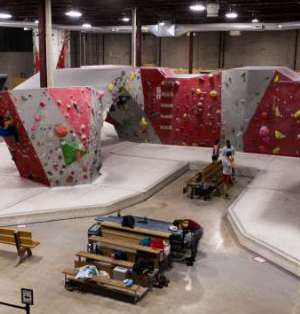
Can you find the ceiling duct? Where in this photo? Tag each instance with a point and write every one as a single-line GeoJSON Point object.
{"type": "Point", "coordinates": [213, 8]}
{"type": "Point", "coordinates": [167, 29]}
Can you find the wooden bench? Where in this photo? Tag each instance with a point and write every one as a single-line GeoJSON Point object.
{"type": "Point", "coordinates": [116, 286]}
{"type": "Point", "coordinates": [113, 230]}
{"type": "Point", "coordinates": [156, 255]}
{"type": "Point", "coordinates": [211, 175]}
{"type": "Point", "coordinates": [21, 239]}
{"type": "Point", "coordinates": [104, 259]}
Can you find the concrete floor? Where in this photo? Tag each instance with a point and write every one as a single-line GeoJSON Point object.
{"type": "Point", "coordinates": [224, 280]}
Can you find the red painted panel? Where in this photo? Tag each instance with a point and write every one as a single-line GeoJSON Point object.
{"type": "Point", "coordinates": [75, 106]}
{"type": "Point", "coordinates": [22, 151]}
{"type": "Point", "coordinates": [274, 128]}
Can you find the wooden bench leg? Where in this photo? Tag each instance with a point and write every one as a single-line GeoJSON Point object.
{"type": "Point", "coordinates": [20, 257]}
{"type": "Point", "coordinates": [29, 252]}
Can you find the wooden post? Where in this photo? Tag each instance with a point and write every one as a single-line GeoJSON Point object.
{"type": "Point", "coordinates": [42, 43]}
{"type": "Point", "coordinates": [191, 52]}
{"type": "Point", "coordinates": [139, 39]}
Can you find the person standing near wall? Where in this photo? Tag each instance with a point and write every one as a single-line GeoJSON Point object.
{"type": "Point", "coordinates": [229, 148]}
{"type": "Point", "coordinates": [216, 151]}
{"type": "Point", "coordinates": [227, 172]}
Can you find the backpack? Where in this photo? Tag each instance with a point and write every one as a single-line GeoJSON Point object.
{"type": "Point", "coordinates": [142, 265]}
{"type": "Point", "coordinates": [128, 221]}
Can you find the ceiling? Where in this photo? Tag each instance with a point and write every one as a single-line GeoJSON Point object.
{"type": "Point", "coordinates": [109, 12]}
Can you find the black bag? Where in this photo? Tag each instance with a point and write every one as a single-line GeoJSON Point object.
{"type": "Point", "coordinates": [142, 265]}
{"type": "Point", "coordinates": [128, 221]}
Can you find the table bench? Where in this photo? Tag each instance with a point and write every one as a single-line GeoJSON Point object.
{"type": "Point", "coordinates": [211, 176]}
{"type": "Point", "coordinates": [22, 240]}
{"type": "Point", "coordinates": [136, 292]}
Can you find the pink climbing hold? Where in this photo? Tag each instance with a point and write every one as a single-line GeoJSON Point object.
{"type": "Point", "coordinates": [33, 129]}
{"type": "Point", "coordinates": [37, 119]}
{"type": "Point", "coordinates": [101, 94]}
{"type": "Point", "coordinates": [42, 104]}
{"type": "Point", "coordinates": [264, 131]}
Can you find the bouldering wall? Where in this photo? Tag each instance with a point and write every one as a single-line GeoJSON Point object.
{"type": "Point", "coordinates": [183, 109]}
{"type": "Point", "coordinates": [61, 49]}
{"type": "Point", "coordinates": [275, 126]}
{"type": "Point", "coordinates": [56, 134]}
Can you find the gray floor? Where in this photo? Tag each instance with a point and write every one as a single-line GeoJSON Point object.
{"type": "Point", "coordinates": [225, 278]}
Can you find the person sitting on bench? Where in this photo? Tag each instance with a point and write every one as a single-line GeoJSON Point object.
{"type": "Point", "coordinates": [190, 226]}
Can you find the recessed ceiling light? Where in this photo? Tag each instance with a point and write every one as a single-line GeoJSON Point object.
{"type": "Point", "coordinates": [255, 21]}
{"type": "Point", "coordinates": [5, 16]}
{"type": "Point", "coordinates": [231, 15]}
{"type": "Point", "coordinates": [197, 7]}
{"type": "Point", "coordinates": [74, 13]}
{"type": "Point", "coordinates": [125, 19]}
{"type": "Point", "coordinates": [86, 25]}
{"type": "Point", "coordinates": [36, 22]}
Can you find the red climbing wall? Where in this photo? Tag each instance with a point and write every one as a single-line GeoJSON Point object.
{"type": "Point", "coordinates": [22, 151]}
{"type": "Point", "coordinates": [183, 110]}
{"type": "Point", "coordinates": [75, 107]}
{"type": "Point", "coordinates": [275, 126]}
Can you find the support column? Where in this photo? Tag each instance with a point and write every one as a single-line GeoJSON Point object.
{"type": "Point", "coordinates": [296, 50]}
{"type": "Point", "coordinates": [191, 52]}
{"type": "Point", "coordinates": [159, 51]}
{"type": "Point", "coordinates": [133, 39]}
{"type": "Point", "coordinates": [45, 43]}
{"type": "Point", "coordinates": [139, 39]}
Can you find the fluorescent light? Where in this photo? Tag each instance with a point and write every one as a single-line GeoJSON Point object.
{"type": "Point", "coordinates": [231, 15]}
{"type": "Point", "coordinates": [161, 23]}
{"type": "Point", "coordinates": [74, 13]}
{"type": "Point", "coordinates": [36, 22]}
{"type": "Point", "coordinates": [255, 21]}
{"type": "Point", "coordinates": [197, 7]}
{"type": "Point", "coordinates": [26, 29]}
{"type": "Point", "coordinates": [5, 16]}
{"type": "Point", "coordinates": [125, 19]}
{"type": "Point", "coordinates": [86, 25]}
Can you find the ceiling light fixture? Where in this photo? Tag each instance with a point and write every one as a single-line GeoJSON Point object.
{"type": "Point", "coordinates": [255, 20]}
{"type": "Point", "coordinates": [161, 23]}
{"type": "Point", "coordinates": [125, 19]}
{"type": "Point", "coordinates": [197, 7]}
{"type": "Point", "coordinates": [5, 16]}
{"type": "Point", "coordinates": [27, 29]}
{"type": "Point", "coordinates": [74, 13]}
{"type": "Point", "coordinates": [36, 22]}
{"type": "Point", "coordinates": [86, 25]}
{"type": "Point", "coordinates": [231, 15]}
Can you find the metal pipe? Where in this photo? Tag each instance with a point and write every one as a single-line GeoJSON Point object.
{"type": "Point", "coordinates": [218, 27]}
{"type": "Point", "coordinates": [133, 43]}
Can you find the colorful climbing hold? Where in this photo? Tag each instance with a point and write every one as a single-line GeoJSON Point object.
{"type": "Point", "coordinates": [143, 122]}
{"type": "Point", "coordinates": [213, 94]}
{"type": "Point", "coordinates": [264, 131]}
{"type": "Point", "coordinates": [101, 94]}
{"type": "Point", "coordinates": [279, 135]}
{"type": "Point", "coordinates": [198, 91]}
{"type": "Point", "coordinates": [110, 87]}
{"type": "Point", "coordinates": [297, 114]}
{"type": "Point", "coordinates": [61, 130]}
{"type": "Point", "coordinates": [42, 104]}
{"type": "Point", "coordinates": [276, 151]}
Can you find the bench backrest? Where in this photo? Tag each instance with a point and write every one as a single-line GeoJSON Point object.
{"type": "Point", "coordinates": [211, 171]}
{"type": "Point", "coordinates": [8, 236]}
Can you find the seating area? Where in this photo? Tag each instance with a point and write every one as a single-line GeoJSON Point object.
{"type": "Point", "coordinates": [206, 181]}
{"type": "Point", "coordinates": [22, 240]}
{"type": "Point", "coordinates": [113, 240]}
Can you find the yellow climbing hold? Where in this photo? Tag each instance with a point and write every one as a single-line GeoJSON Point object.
{"type": "Point", "coordinates": [213, 94]}
{"type": "Point", "coordinates": [198, 91]}
{"type": "Point", "coordinates": [132, 76]}
{"type": "Point", "coordinates": [110, 87]}
{"type": "Point", "coordinates": [277, 78]}
{"type": "Point", "coordinates": [297, 114]}
{"type": "Point", "coordinates": [143, 123]}
{"type": "Point", "coordinates": [277, 112]}
{"type": "Point", "coordinates": [276, 150]}
{"type": "Point", "coordinates": [279, 135]}
{"type": "Point", "coordinates": [147, 140]}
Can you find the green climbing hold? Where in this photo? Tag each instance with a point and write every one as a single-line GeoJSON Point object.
{"type": "Point", "coordinates": [71, 150]}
